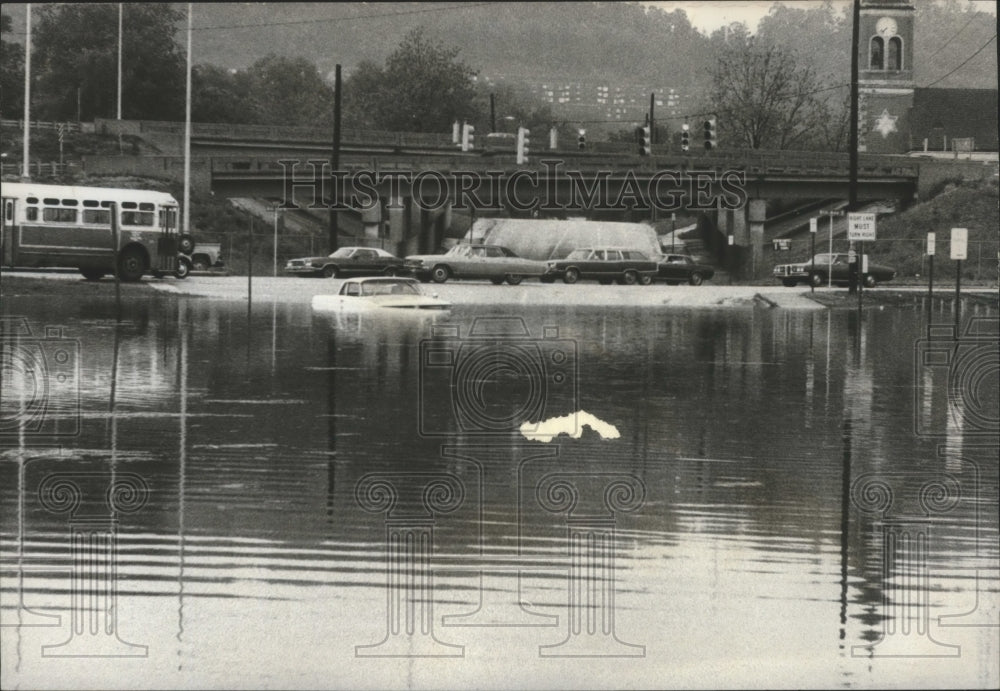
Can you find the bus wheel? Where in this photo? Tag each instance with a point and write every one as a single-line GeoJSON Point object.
{"type": "Point", "coordinates": [183, 267]}
{"type": "Point", "coordinates": [186, 244]}
{"type": "Point", "coordinates": [131, 264]}
{"type": "Point", "coordinates": [92, 274]}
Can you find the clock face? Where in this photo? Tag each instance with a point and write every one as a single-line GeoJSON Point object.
{"type": "Point", "coordinates": [886, 26]}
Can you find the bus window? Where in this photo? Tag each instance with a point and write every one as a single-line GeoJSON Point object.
{"type": "Point", "coordinates": [8, 211]}
{"type": "Point", "coordinates": [69, 202]}
{"type": "Point", "coordinates": [137, 218]}
{"type": "Point", "coordinates": [31, 213]}
{"type": "Point", "coordinates": [91, 203]}
{"type": "Point", "coordinates": [146, 206]}
{"type": "Point", "coordinates": [57, 215]}
{"type": "Point", "coordinates": [99, 216]}
{"type": "Point", "coordinates": [129, 205]}
{"type": "Point", "coordinates": [168, 218]}
{"type": "Point", "coordinates": [49, 201]}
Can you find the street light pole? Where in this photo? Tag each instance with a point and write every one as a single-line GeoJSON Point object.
{"type": "Point", "coordinates": [25, 157]}
{"type": "Point", "coordinates": [275, 209]}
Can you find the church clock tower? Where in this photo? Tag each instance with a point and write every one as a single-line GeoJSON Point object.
{"type": "Point", "coordinates": [885, 76]}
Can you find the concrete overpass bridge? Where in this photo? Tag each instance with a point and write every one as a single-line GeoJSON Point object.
{"type": "Point", "coordinates": [400, 173]}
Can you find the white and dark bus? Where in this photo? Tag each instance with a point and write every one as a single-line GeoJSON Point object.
{"type": "Point", "coordinates": [65, 226]}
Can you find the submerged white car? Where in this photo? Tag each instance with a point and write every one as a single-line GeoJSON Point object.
{"type": "Point", "coordinates": [379, 295]}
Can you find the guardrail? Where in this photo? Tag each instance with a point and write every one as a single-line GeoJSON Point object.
{"type": "Point", "coordinates": [44, 125]}
{"type": "Point", "coordinates": [40, 169]}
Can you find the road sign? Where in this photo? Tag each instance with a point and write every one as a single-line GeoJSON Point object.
{"type": "Point", "coordinates": [959, 243]}
{"type": "Point", "coordinates": [930, 244]}
{"type": "Point", "coordinates": [861, 227]}
{"type": "Point", "coordinates": [812, 224]}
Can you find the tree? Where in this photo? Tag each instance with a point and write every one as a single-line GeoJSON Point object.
{"type": "Point", "coordinates": [76, 48]}
{"type": "Point", "coordinates": [423, 87]}
{"type": "Point", "coordinates": [218, 95]}
{"type": "Point", "coordinates": [289, 91]}
{"type": "Point", "coordinates": [11, 74]}
{"type": "Point", "coordinates": [763, 95]}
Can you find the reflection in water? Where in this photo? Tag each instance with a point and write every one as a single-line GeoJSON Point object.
{"type": "Point", "coordinates": [357, 488]}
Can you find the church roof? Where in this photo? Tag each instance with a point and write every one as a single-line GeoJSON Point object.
{"type": "Point", "coordinates": [951, 113]}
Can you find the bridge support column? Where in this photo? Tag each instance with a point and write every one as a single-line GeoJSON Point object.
{"type": "Point", "coordinates": [398, 227]}
{"type": "Point", "coordinates": [757, 212]}
{"type": "Point", "coordinates": [424, 233]}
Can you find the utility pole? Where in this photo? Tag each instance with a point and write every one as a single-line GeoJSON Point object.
{"type": "Point", "coordinates": [652, 119]}
{"type": "Point", "coordinates": [852, 186]}
{"type": "Point", "coordinates": [334, 230]}
{"type": "Point", "coordinates": [187, 132]}
{"type": "Point", "coordinates": [26, 159]}
{"type": "Point", "coordinates": [493, 114]}
{"type": "Point", "coordinates": [120, 11]}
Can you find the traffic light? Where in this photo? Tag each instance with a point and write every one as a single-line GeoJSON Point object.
{"type": "Point", "coordinates": [645, 145]}
{"type": "Point", "coordinates": [685, 137]}
{"type": "Point", "coordinates": [581, 141]}
{"type": "Point", "coordinates": [710, 138]}
{"type": "Point", "coordinates": [468, 137]}
{"type": "Point", "coordinates": [455, 132]}
{"type": "Point", "coordinates": [522, 144]}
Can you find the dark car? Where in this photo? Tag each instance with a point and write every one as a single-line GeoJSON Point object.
{"type": "Point", "coordinates": [833, 268]}
{"type": "Point", "coordinates": [349, 261]}
{"type": "Point", "coordinates": [493, 262]}
{"type": "Point", "coordinates": [626, 266]}
{"type": "Point", "coordinates": [675, 268]}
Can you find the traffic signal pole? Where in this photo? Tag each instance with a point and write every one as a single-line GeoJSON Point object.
{"type": "Point", "coordinates": [852, 186]}
{"type": "Point", "coordinates": [334, 229]}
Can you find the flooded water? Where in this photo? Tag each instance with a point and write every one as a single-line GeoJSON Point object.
{"type": "Point", "coordinates": [195, 496]}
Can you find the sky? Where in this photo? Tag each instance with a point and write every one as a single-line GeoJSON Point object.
{"type": "Point", "coordinates": [709, 15]}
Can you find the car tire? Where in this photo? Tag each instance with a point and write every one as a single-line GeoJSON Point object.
{"type": "Point", "coordinates": [514, 279]}
{"type": "Point", "coordinates": [185, 244]}
{"type": "Point", "coordinates": [870, 281]}
{"type": "Point", "coordinates": [788, 282]}
{"type": "Point", "coordinates": [645, 280]}
{"type": "Point", "coordinates": [200, 264]}
{"type": "Point", "coordinates": [440, 273]}
{"type": "Point", "coordinates": [817, 280]}
{"type": "Point", "coordinates": [183, 268]}
{"type": "Point", "coordinates": [630, 277]}
{"type": "Point", "coordinates": [695, 279]}
{"type": "Point", "coordinates": [92, 274]}
{"type": "Point", "coordinates": [330, 272]}
{"type": "Point", "coordinates": [131, 264]}
{"type": "Point", "coordinates": [496, 280]}
{"type": "Point", "coordinates": [571, 276]}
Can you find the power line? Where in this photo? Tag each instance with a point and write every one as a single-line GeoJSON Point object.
{"type": "Point", "coordinates": [964, 63]}
{"type": "Point", "coordinates": [948, 42]}
{"type": "Point", "coordinates": [375, 15]}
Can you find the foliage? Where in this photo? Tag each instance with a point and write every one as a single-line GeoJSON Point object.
{"type": "Point", "coordinates": [76, 52]}
{"type": "Point", "coordinates": [11, 74]}
{"type": "Point", "coordinates": [763, 95]}
{"type": "Point", "coordinates": [289, 91]}
{"type": "Point", "coordinates": [219, 95]}
{"type": "Point", "coordinates": [423, 87]}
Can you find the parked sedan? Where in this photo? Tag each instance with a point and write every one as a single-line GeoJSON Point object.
{"type": "Point", "coordinates": [626, 266]}
{"type": "Point", "coordinates": [830, 267]}
{"type": "Point", "coordinates": [493, 262]}
{"type": "Point", "coordinates": [348, 261]}
{"type": "Point", "coordinates": [675, 268]}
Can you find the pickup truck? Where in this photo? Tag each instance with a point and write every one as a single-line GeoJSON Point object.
{"type": "Point", "coordinates": [206, 255]}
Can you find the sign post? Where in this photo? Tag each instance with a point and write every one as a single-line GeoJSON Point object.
{"type": "Point", "coordinates": [959, 247]}
{"type": "Point", "coordinates": [813, 223]}
{"type": "Point", "coordinates": [930, 265]}
{"type": "Point", "coordinates": [860, 228]}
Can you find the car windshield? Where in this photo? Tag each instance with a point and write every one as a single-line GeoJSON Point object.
{"type": "Point", "coordinates": [578, 254]}
{"type": "Point", "coordinates": [821, 259]}
{"type": "Point", "coordinates": [458, 251]}
{"type": "Point", "coordinates": [342, 252]}
{"type": "Point", "coordinates": [389, 288]}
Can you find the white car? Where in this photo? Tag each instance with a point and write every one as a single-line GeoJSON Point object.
{"type": "Point", "coordinates": [374, 294]}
